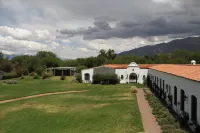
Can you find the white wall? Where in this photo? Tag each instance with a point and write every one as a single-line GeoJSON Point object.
{"type": "Point", "coordinates": [143, 72]}
{"type": "Point", "coordinates": [120, 72]}
{"type": "Point", "coordinates": [89, 71]}
{"type": "Point", "coordinates": [189, 86]}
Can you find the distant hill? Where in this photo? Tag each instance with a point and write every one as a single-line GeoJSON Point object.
{"type": "Point", "coordinates": [190, 44]}
{"type": "Point", "coordinates": [9, 56]}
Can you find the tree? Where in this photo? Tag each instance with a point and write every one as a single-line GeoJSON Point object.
{"type": "Point", "coordinates": [111, 54]}
{"type": "Point", "coordinates": [6, 65]}
{"type": "Point", "coordinates": [102, 53]}
{"type": "Point", "coordinates": [80, 68]}
{"type": "Point", "coordinates": [45, 54]}
{"type": "Point", "coordinates": [1, 55]}
{"type": "Point", "coordinates": [71, 63]}
{"type": "Point", "coordinates": [51, 62]}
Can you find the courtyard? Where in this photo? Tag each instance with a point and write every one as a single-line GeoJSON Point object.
{"type": "Point", "coordinates": [68, 107]}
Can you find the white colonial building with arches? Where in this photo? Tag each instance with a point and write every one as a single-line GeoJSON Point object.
{"type": "Point", "coordinates": [176, 85]}
{"type": "Point", "coordinates": [179, 87]}
{"type": "Point", "coordinates": [127, 73]}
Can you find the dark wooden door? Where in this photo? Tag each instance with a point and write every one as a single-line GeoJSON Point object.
{"type": "Point", "coordinates": [182, 100]}
{"type": "Point", "coordinates": [194, 109]}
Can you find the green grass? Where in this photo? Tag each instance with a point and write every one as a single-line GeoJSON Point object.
{"type": "Point", "coordinates": [102, 109]}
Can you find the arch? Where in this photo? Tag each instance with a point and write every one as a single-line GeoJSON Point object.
{"type": "Point", "coordinates": [87, 76]}
{"type": "Point", "coordinates": [194, 109]}
{"type": "Point", "coordinates": [133, 78]}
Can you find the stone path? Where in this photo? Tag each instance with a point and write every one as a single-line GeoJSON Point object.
{"type": "Point", "coordinates": [148, 119]}
{"type": "Point", "coordinates": [40, 95]}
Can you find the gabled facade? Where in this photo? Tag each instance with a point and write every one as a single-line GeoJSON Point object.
{"type": "Point", "coordinates": [127, 73]}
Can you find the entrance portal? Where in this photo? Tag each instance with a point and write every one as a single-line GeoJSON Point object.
{"type": "Point", "coordinates": [133, 78]}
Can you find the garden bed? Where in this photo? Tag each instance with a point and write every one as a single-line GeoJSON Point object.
{"type": "Point", "coordinates": [165, 119]}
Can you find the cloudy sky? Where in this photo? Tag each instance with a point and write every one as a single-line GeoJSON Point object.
{"type": "Point", "coordinates": [80, 28]}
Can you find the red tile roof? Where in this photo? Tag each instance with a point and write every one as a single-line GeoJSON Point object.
{"type": "Point", "coordinates": [191, 72]}
{"type": "Point", "coordinates": [125, 66]}
{"type": "Point", "coordinates": [117, 66]}
{"type": "Point", "coordinates": [146, 66]}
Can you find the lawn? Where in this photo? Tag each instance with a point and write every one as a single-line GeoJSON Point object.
{"type": "Point", "coordinates": [101, 109]}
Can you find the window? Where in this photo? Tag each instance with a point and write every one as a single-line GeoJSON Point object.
{"type": "Point", "coordinates": [194, 109]}
{"type": "Point", "coordinates": [175, 95]}
{"type": "Point", "coordinates": [169, 89]}
{"type": "Point", "coordinates": [144, 77]}
{"type": "Point", "coordinates": [157, 81]}
{"type": "Point", "coordinates": [132, 69]}
{"type": "Point", "coordinates": [122, 77]}
{"type": "Point", "coordinates": [160, 83]}
{"type": "Point", "coordinates": [166, 88]}
{"type": "Point", "coordinates": [163, 85]}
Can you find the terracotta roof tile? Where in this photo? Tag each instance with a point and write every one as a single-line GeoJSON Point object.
{"type": "Point", "coordinates": [117, 66]}
{"type": "Point", "coordinates": [124, 66]}
{"type": "Point", "coordinates": [191, 72]}
{"type": "Point", "coordinates": [146, 66]}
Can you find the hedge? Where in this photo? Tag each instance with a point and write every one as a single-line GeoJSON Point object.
{"type": "Point", "coordinates": [105, 79]}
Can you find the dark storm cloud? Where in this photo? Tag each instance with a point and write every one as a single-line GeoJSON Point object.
{"type": "Point", "coordinates": [102, 25]}
{"type": "Point", "coordinates": [156, 27]}
{"type": "Point", "coordinates": [105, 18]}
{"type": "Point", "coordinates": [99, 26]}
{"type": "Point", "coordinates": [143, 18]}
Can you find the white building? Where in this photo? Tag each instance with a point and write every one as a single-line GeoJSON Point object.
{"type": "Point", "coordinates": [179, 87]}
{"type": "Point", "coordinates": [132, 73]}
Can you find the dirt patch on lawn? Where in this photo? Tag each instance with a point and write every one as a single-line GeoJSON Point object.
{"type": "Point", "coordinates": [2, 96]}
{"type": "Point", "coordinates": [48, 108]}
{"type": "Point", "coordinates": [82, 107]}
{"type": "Point", "coordinates": [40, 95]}
{"type": "Point", "coordinates": [44, 107]}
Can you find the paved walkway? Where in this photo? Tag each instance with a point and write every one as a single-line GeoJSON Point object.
{"type": "Point", "coordinates": [148, 119]}
{"type": "Point", "coordinates": [39, 95]}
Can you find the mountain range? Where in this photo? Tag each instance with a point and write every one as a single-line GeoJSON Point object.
{"type": "Point", "coordinates": [190, 44]}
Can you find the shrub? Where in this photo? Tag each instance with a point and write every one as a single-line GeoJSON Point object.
{"type": "Point", "coordinates": [133, 89]}
{"type": "Point", "coordinates": [21, 71]}
{"type": "Point", "coordinates": [168, 126]}
{"type": "Point", "coordinates": [145, 81]}
{"type": "Point", "coordinates": [79, 77]}
{"type": "Point", "coordinates": [9, 75]}
{"type": "Point", "coordinates": [40, 71]}
{"type": "Point", "coordinates": [33, 74]}
{"type": "Point", "coordinates": [10, 82]}
{"type": "Point", "coordinates": [105, 79]}
{"type": "Point", "coordinates": [22, 77]}
{"type": "Point", "coordinates": [62, 78]}
{"type": "Point", "coordinates": [179, 131]}
{"type": "Point", "coordinates": [46, 75]}
{"type": "Point", "coordinates": [36, 77]}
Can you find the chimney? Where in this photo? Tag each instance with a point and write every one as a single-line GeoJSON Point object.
{"type": "Point", "coordinates": [193, 62]}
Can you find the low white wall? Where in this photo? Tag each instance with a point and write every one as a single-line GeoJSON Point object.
{"type": "Point", "coordinates": [189, 86]}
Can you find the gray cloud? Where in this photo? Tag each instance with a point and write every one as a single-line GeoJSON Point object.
{"type": "Point", "coordinates": [106, 18]}
{"type": "Point", "coordinates": [102, 25]}
{"type": "Point", "coordinates": [156, 27]}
